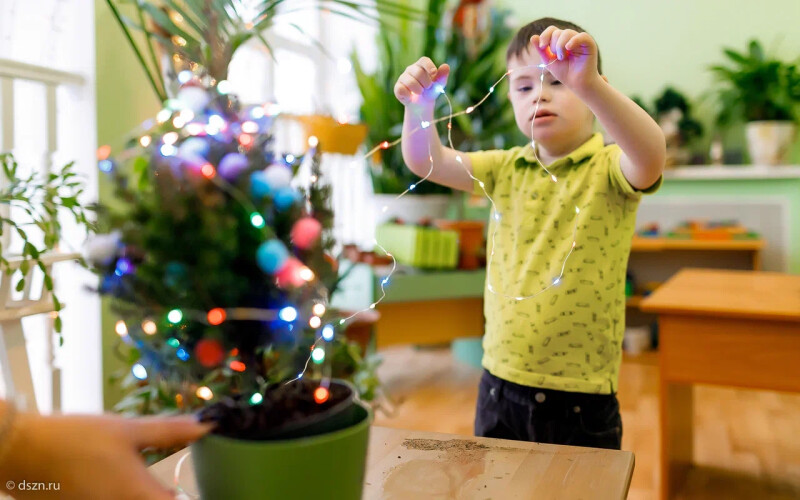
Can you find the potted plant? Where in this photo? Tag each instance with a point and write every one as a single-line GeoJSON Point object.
{"type": "Point", "coordinates": [472, 39]}
{"type": "Point", "coordinates": [673, 112]}
{"type": "Point", "coordinates": [764, 92]}
{"type": "Point", "coordinates": [219, 268]}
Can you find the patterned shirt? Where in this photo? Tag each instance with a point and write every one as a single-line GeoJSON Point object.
{"type": "Point", "coordinates": [568, 336]}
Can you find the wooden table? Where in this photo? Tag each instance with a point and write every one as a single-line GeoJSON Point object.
{"type": "Point", "coordinates": [733, 328]}
{"type": "Point", "coordinates": [405, 465]}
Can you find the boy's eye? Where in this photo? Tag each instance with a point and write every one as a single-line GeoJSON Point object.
{"type": "Point", "coordinates": [555, 82]}
{"type": "Point", "coordinates": [525, 88]}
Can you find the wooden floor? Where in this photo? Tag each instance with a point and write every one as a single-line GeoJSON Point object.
{"type": "Point", "coordinates": [747, 443]}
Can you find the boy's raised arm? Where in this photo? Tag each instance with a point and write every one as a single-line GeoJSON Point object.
{"type": "Point", "coordinates": [637, 134]}
{"type": "Point", "coordinates": [417, 88]}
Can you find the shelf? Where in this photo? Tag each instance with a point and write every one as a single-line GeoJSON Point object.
{"type": "Point", "coordinates": [732, 172]}
{"type": "Point", "coordinates": [643, 244]}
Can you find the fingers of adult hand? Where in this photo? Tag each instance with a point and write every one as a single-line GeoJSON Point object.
{"type": "Point", "coordinates": [564, 38]}
{"type": "Point", "coordinates": [160, 432]}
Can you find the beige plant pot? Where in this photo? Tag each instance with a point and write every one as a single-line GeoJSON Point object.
{"type": "Point", "coordinates": [768, 142]}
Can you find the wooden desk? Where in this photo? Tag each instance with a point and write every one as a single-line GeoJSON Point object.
{"type": "Point", "coordinates": [423, 465]}
{"type": "Point", "coordinates": [734, 328]}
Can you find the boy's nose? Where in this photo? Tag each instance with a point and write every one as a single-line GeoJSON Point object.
{"type": "Point", "coordinates": [541, 93]}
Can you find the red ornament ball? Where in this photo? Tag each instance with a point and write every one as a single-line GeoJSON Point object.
{"type": "Point", "coordinates": [209, 353]}
{"type": "Point", "coordinates": [290, 274]}
{"type": "Point", "coordinates": [306, 232]}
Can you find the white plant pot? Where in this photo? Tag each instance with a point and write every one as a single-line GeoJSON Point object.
{"type": "Point", "coordinates": [768, 142]}
{"type": "Point", "coordinates": [410, 208]}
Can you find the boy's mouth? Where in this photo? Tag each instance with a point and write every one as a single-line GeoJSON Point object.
{"type": "Point", "coordinates": [543, 113]}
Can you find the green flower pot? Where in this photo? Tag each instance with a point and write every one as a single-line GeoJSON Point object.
{"type": "Point", "coordinates": [324, 466]}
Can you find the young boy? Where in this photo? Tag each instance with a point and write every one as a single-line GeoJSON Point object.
{"type": "Point", "coordinates": [553, 339]}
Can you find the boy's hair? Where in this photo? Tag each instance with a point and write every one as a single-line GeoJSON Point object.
{"type": "Point", "coordinates": [522, 40]}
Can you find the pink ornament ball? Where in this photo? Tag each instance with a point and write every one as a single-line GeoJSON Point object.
{"type": "Point", "coordinates": [306, 232]}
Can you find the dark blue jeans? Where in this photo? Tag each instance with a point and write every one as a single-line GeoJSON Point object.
{"type": "Point", "coordinates": [511, 411]}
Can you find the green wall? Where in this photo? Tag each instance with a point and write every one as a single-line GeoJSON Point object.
{"type": "Point", "coordinates": [124, 100]}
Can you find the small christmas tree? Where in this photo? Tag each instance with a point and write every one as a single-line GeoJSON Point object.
{"type": "Point", "coordinates": [219, 267]}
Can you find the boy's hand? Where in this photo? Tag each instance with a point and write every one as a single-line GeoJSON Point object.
{"type": "Point", "coordinates": [420, 82]}
{"type": "Point", "coordinates": [571, 56]}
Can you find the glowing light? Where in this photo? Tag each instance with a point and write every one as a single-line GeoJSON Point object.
{"type": "Point", "coordinates": [182, 354]}
{"type": "Point", "coordinates": [288, 314]}
{"type": "Point", "coordinates": [204, 393]}
{"type": "Point", "coordinates": [318, 355]}
{"type": "Point", "coordinates": [439, 88]}
{"type": "Point", "coordinates": [217, 122]}
{"type": "Point", "coordinates": [163, 115]}
{"type": "Point", "coordinates": [194, 129]}
{"type": "Point", "coordinates": [470, 109]}
{"type": "Point", "coordinates": [577, 210]}
{"type": "Point", "coordinates": [105, 165]}
{"type": "Point", "coordinates": [216, 316]}
{"type": "Point", "coordinates": [313, 141]}
{"type": "Point", "coordinates": [425, 124]}
{"type": "Point", "coordinates": [184, 76]}
{"type": "Point", "coordinates": [318, 309]}
{"type": "Point", "coordinates": [306, 274]}
{"type": "Point", "coordinates": [411, 187]}
{"type": "Point", "coordinates": [257, 220]}
{"type": "Point", "coordinates": [491, 89]}
{"type": "Point", "coordinates": [256, 399]}
{"type": "Point", "coordinates": [149, 327]}
{"type": "Point", "coordinates": [257, 112]}
{"type": "Point", "coordinates": [250, 127]}
{"type": "Point", "coordinates": [237, 366]}
{"type": "Point", "coordinates": [314, 322]}
{"type": "Point", "coordinates": [175, 316]}
{"type": "Point", "coordinates": [121, 328]}
{"type": "Point", "coordinates": [224, 87]}
{"type": "Point", "coordinates": [481, 184]}
{"type": "Point", "coordinates": [179, 41]}
{"type": "Point", "coordinates": [321, 395]}
{"type": "Point", "coordinates": [168, 150]}
{"type": "Point", "coordinates": [458, 159]}
{"type": "Point", "coordinates": [170, 138]}
{"type": "Point", "coordinates": [208, 171]}
{"type": "Point", "coordinates": [327, 332]}
{"type": "Point", "coordinates": [497, 216]}
{"type": "Point", "coordinates": [139, 371]}
{"type": "Point", "coordinates": [246, 140]}
{"type": "Point", "coordinates": [554, 178]}
{"type": "Point", "coordinates": [385, 145]}
{"type": "Point", "coordinates": [290, 158]}
{"type": "Point", "coordinates": [145, 140]}
{"type": "Point", "coordinates": [103, 152]}
{"type": "Point", "coordinates": [557, 280]}
{"type": "Point", "coordinates": [173, 342]}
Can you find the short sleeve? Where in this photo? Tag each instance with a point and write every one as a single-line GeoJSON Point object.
{"type": "Point", "coordinates": [485, 165]}
{"type": "Point", "coordinates": [617, 178]}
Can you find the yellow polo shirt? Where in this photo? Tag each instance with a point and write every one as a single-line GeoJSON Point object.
{"type": "Point", "coordinates": [568, 336]}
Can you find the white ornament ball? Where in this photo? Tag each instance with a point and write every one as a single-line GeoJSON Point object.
{"type": "Point", "coordinates": [277, 177]}
{"type": "Point", "coordinates": [194, 98]}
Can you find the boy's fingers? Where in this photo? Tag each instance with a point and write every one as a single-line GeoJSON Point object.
{"type": "Point", "coordinates": [421, 75]}
{"type": "Point", "coordinates": [578, 41]}
{"type": "Point", "coordinates": [544, 38]}
{"type": "Point", "coordinates": [554, 42]}
{"type": "Point", "coordinates": [402, 93]}
{"type": "Point", "coordinates": [412, 83]}
{"type": "Point", "coordinates": [563, 38]}
{"type": "Point", "coordinates": [442, 73]}
{"type": "Point", "coordinates": [427, 65]}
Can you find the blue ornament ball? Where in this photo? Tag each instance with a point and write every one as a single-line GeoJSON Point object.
{"type": "Point", "coordinates": [271, 256]}
{"type": "Point", "coordinates": [285, 198]}
{"type": "Point", "coordinates": [259, 187]}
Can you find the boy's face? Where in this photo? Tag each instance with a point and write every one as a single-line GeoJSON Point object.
{"type": "Point", "coordinates": [562, 122]}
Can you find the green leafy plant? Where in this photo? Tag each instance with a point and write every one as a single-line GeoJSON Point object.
{"type": "Point", "coordinates": [41, 199]}
{"type": "Point", "coordinates": [756, 87]}
{"type": "Point", "coordinates": [203, 35]}
{"type": "Point", "coordinates": [476, 64]}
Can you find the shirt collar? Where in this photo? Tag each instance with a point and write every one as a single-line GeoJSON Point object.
{"type": "Point", "coordinates": [584, 151]}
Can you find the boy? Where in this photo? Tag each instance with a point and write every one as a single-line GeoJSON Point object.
{"type": "Point", "coordinates": [552, 347]}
